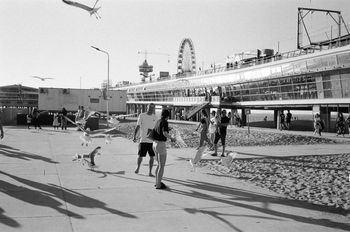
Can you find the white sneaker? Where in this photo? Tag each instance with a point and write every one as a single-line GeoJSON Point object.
{"type": "Point", "coordinates": [192, 165]}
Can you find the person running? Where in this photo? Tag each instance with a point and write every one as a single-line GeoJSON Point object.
{"type": "Point", "coordinates": [221, 132]}
{"type": "Point", "coordinates": [203, 125]}
{"type": "Point", "coordinates": [162, 134]}
{"type": "Point", "coordinates": [340, 124]}
{"type": "Point", "coordinates": [145, 122]}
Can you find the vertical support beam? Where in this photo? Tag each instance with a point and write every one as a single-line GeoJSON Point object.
{"type": "Point", "coordinates": [277, 118]}
{"type": "Point", "coordinates": [244, 117]}
{"type": "Point", "coordinates": [139, 109]}
{"type": "Point", "coordinates": [172, 112]}
{"type": "Point", "coordinates": [326, 117]}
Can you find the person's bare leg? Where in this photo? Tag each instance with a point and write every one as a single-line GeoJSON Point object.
{"type": "Point", "coordinates": [151, 162]}
{"type": "Point", "coordinates": [139, 161]}
{"type": "Point", "coordinates": [160, 169]}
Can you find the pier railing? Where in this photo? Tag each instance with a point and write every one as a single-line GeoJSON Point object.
{"type": "Point", "coordinates": [253, 62]}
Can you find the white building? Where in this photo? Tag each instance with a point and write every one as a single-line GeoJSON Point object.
{"type": "Point", "coordinates": [54, 99]}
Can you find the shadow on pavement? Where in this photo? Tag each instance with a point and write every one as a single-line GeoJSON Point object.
{"type": "Point", "coordinates": [219, 216]}
{"type": "Point", "coordinates": [236, 196]}
{"type": "Point", "coordinates": [7, 220]}
{"type": "Point", "coordinates": [16, 153]}
{"type": "Point", "coordinates": [50, 195]}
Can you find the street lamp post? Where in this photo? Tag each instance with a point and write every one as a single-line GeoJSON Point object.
{"type": "Point", "coordinates": [107, 88]}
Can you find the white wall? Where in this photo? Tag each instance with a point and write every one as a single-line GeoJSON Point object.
{"type": "Point", "coordinates": [54, 99]}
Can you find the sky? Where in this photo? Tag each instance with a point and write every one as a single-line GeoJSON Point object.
{"type": "Point", "coordinates": [49, 38]}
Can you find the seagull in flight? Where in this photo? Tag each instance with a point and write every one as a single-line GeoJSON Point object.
{"type": "Point", "coordinates": [92, 10]}
{"type": "Point", "coordinates": [42, 78]}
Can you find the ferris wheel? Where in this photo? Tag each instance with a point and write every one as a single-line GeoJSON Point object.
{"type": "Point", "coordinates": [186, 61]}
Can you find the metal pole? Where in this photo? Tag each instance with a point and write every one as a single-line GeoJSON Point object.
{"type": "Point", "coordinates": [107, 89]}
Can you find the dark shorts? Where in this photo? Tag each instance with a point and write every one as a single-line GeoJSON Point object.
{"type": "Point", "coordinates": [144, 148]}
{"type": "Point", "coordinates": [218, 137]}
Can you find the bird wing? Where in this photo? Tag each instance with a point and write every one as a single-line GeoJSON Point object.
{"type": "Point", "coordinates": [74, 123]}
{"type": "Point", "coordinates": [77, 4]}
{"type": "Point", "coordinates": [125, 115]}
{"type": "Point", "coordinates": [37, 77]}
{"type": "Point", "coordinates": [104, 132]}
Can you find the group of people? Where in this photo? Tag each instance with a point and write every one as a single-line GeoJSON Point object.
{"type": "Point", "coordinates": [60, 119]}
{"type": "Point", "coordinates": [216, 128]}
{"type": "Point", "coordinates": [33, 119]}
{"type": "Point", "coordinates": [340, 124]}
{"type": "Point", "coordinates": [285, 120]}
{"type": "Point", "coordinates": [155, 146]}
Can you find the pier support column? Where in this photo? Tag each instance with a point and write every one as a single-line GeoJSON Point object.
{"type": "Point", "coordinates": [326, 117]}
{"type": "Point", "coordinates": [276, 119]}
{"type": "Point", "coordinates": [171, 111]}
{"type": "Point", "coordinates": [135, 108]}
{"type": "Point", "coordinates": [139, 111]}
{"type": "Point", "coordinates": [244, 118]}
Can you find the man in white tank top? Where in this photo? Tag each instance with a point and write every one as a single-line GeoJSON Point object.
{"type": "Point", "coordinates": [145, 122]}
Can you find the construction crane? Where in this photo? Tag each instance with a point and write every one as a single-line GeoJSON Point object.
{"type": "Point", "coordinates": [145, 68]}
{"type": "Point", "coordinates": [145, 52]}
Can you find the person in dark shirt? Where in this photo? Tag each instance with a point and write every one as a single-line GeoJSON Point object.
{"type": "Point", "coordinates": [63, 114]}
{"type": "Point", "coordinates": [159, 147]}
{"type": "Point", "coordinates": [221, 132]}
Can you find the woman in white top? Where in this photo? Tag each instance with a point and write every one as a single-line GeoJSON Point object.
{"type": "Point", "coordinates": [212, 126]}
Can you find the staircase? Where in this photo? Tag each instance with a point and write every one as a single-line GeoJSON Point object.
{"type": "Point", "coordinates": [195, 109]}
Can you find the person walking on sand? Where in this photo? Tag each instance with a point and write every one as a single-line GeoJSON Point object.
{"type": "Point", "coordinates": [204, 126]}
{"type": "Point", "coordinates": [221, 132]}
{"type": "Point", "coordinates": [145, 122]}
{"type": "Point", "coordinates": [212, 127]}
{"type": "Point", "coordinates": [161, 129]}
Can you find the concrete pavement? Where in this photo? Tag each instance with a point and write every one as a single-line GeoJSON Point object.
{"type": "Point", "coordinates": [41, 189]}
